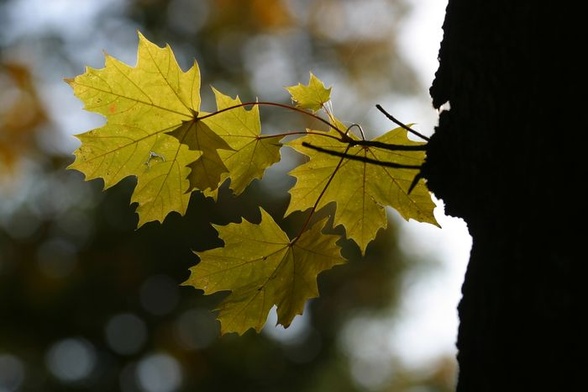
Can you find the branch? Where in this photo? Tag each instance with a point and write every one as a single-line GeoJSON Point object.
{"type": "Point", "coordinates": [389, 147]}
{"type": "Point", "coordinates": [360, 158]}
{"type": "Point", "coordinates": [395, 121]}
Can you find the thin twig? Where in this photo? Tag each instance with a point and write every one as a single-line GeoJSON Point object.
{"type": "Point", "coordinates": [389, 147]}
{"type": "Point", "coordinates": [395, 121]}
{"type": "Point", "coordinates": [360, 158]}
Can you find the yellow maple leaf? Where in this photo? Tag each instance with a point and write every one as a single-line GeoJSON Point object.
{"type": "Point", "coordinates": [142, 105]}
{"type": "Point", "coordinates": [312, 96]}
{"type": "Point", "coordinates": [361, 187]}
{"type": "Point", "coordinates": [262, 267]}
{"type": "Point", "coordinates": [206, 172]}
{"type": "Point", "coordinates": [250, 153]}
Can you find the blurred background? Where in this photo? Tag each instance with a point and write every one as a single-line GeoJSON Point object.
{"type": "Point", "coordinates": [89, 303]}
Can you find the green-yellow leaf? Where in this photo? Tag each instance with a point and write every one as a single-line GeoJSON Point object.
{"type": "Point", "coordinates": [262, 267]}
{"type": "Point", "coordinates": [141, 104]}
{"type": "Point", "coordinates": [207, 171]}
{"type": "Point", "coordinates": [361, 190]}
{"type": "Point", "coordinates": [250, 153]}
{"type": "Point", "coordinates": [311, 96]}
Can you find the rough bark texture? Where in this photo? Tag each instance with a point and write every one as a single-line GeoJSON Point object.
{"type": "Point", "coordinates": [509, 157]}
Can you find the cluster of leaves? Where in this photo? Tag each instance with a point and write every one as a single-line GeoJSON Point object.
{"type": "Point", "coordinates": [156, 132]}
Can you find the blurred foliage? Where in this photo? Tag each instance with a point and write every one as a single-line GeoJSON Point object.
{"type": "Point", "coordinates": [88, 303]}
{"type": "Point", "coordinates": [21, 113]}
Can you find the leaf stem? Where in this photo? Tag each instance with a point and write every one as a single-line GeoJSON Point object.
{"type": "Point", "coordinates": [344, 136]}
{"type": "Point", "coordinates": [308, 132]}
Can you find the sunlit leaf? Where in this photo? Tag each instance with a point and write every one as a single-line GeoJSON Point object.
{"type": "Point", "coordinates": [262, 267]}
{"type": "Point", "coordinates": [312, 96]}
{"type": "Point", "coordinates": [250, 153]}
{"type": "Point", "coordinates": [142, 105]}
{"type": "Point", "coordinates": [361, 190]}
{"type": "Point", "coordinates": [207, 171]}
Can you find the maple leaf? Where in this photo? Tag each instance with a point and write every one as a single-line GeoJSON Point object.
{"type": "Point", "coordinates": [207, 170]}
{"type": "Point", "coordinates": [249, 153]}
{"type": "Point", "coordinates": [141, 104]}
{"type": "Point", "coordinates": [312, 96]}
{"type": "Point", "coordinates": [262, 267]}
{"type": "Point", "coordinates": [360, 189]}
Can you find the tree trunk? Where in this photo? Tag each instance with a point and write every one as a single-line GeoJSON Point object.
{"type": "Point", "coordinates": [508, 158]}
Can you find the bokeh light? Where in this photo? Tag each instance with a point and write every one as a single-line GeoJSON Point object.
{"type": "Point", "coordinates": [12, 373]}
{"type": "Point", "coordinates": [159, 372]}
{"type": "Point", "coordinates": [125, 333]}
{"type": "Point", "coordinates": [71, 360]}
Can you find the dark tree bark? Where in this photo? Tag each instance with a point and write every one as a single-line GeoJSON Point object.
{"type": "Point", "coordinates": [509, 158]}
